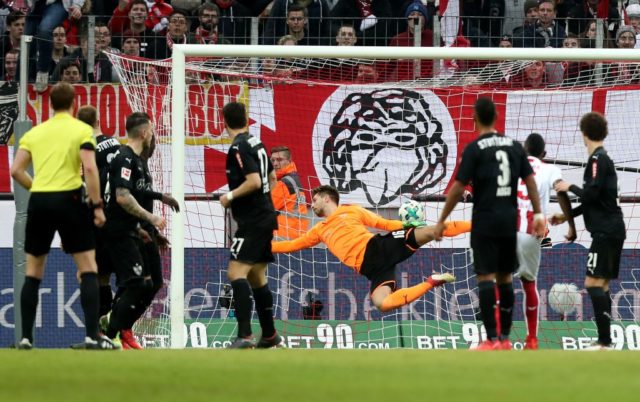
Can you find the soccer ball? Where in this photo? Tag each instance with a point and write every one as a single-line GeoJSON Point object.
{"type": "Point", "coordinates": [564, 298]}
{"type": "Point", "coordinates": [411, 211]}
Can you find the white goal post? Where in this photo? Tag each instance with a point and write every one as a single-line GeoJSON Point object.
{"type": "Point", "coordinates": [178, 119]}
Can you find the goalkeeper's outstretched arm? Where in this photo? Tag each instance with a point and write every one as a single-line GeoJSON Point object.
{"type": "Point", "coordinates": [307, 240]}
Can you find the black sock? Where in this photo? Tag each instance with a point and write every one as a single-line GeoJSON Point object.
{"type": "Point", "coordinates": [29, 305]}
{"type": "Point", "coordinates": [106, 300]}
{"type": "Point", "coordinates": [602, 315]}
{"type": "Point", "coordinates": [264, 307]}
{"type": "Point", "coordinates": [90, 303]}
{"type": "Point", "coordinates": [609, 301]}
{"type": "Point", "coordinates": [507, 298]}
{"type": "Point", "coordinates": [242, 300]}
{"type": "Point", "coordinates": [487, 294]}
{"type": "Point", "coordinates": [126, 310]}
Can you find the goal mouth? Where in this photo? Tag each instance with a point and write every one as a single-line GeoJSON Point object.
{"type": "Point", "coordinates": [380, 141]}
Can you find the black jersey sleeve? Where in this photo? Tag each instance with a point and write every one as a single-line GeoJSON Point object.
{"type": "Point", "coordinates": [467, 164]}
{"type": "Point", "coordinates": [121, 172]}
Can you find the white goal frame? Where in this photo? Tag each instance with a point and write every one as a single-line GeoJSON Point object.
{"type": "Point", "coordinates": [178, 103]}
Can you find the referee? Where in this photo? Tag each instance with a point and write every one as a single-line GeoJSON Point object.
{"type": "Point", "coordinates": [57, 148]}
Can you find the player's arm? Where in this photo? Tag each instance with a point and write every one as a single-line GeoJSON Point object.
{"type": "Point", "coordinates": [307, 240]}
{"type": "Point", "coordinates": [250, 184]}
{"type": "Point", "coordinates": [166, 199]}
{"type": "Point", "coordinates": [565, 205]}
{"type": "Point", "coordinates": [539, 221]}
{"type": "Point", "coordinates": [376, 221]}
{"type": "Point", "coordinates": [127, 201]}
{"type": "Point", "coordinates": [19, 168]}
{"type": "Point", "coordinates": [92, 180]}
{"type": "Point", "coordinates": [453, 196]}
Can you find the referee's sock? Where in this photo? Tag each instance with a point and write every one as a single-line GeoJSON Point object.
{"type": "Point", "coordinates": [264, 307]}
{"type": "Point", "coordinates": [507, 299]}
{"type": "Point", "coordinates": [487, 295]}
{"type": "Point", "coordinates": [404, 296]}
{"type": "Point", "coordinates": [454, 228]}
{"type": "Point", "coordinates": [602, 312]}
{"type": "Point", "coordinates": [29, 305]}
{"type": "Point", "coordinates": [89, 300]}
{"type": "Point", "coordinates": [242, 300]}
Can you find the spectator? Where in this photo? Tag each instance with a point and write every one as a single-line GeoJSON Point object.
{"type": "Point", "coordinates": [72, 25]}
{"type": "Point", "coordinates": [530, 17]}
{"type": "Point", "coordinates": [15, 29]}
{"type": "Point", "coordinates": [132, 15]}
{"type": "Point", "coordinates": [207, 33]}
{"type": "Point", "coordinates": [60, 49]}
{"type": "Point", "coordinates": [571, 41]}
{"type": "Point", "coordinates": [43, 18]}
{"type": "Point", "coordinates": [178, 30]}
{"type": "Point", "coordinates": [155, 15]}
{"type": "Point", "coordinates": [317, 12]}
{"type": "Point", "coordinates": [288, 195]}
{"type": "Point", "coordinates": [141, 74]}
{"type": "Point", "coordinates": [576, 72]}
{"type": "Point", "coordinates": [633, 12]}
{"type": "Point", "coordinates": [513, 15]}
{"type": "Point", "coordinates": [373, 20]}
{"type": "Point", "coordinates": [532, 76]}
{"type": "Point", "coordinates": [546, 32]}
{"type": "Point", "coordinates": [287, 40]}
{"type": "Point", "coordinates": [346, 36]}
{"type": "Point", "coordinates": [505, 41]}
{"type": "Point", "coordinates": [102, 71]}
{"type": "Point", "coordinates": [11, 65]}
{"type": "Point", "coordinates": [297, 19]}
{"type": "Point", "coordinates": [589, 35]}
{"type": "Point", "coordinates": [70, 72]}
{"type": "Point", "coordinates": [626, 37]}
{"type": "Point", "coordinates": [130, 44]}
{"type": "Point", "coordinates": [482, 21]}
{"type": "Point", "coordinates": [235, 23]}
{"type": "Point", "coordinates": [416, 14]}
{"type": "Point", "coordinates": [585, 10]}
{"type": "Point", "coordinates": [103, 38]}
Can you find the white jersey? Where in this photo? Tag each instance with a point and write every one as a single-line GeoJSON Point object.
{"type": "Point", "coordinates": [545, 175]}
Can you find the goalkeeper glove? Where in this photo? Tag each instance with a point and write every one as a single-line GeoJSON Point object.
{"type": "Point", "coordinates": [413, 224]}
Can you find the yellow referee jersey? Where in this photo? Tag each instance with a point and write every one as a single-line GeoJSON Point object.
{"type": "Point", "coordinates": [55, 152]}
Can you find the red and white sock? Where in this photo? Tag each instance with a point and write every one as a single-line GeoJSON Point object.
{"type": "Point", "coordinates": [531, 304]}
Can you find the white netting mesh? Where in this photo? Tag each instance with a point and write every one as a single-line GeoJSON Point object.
{"type": "Point", "coordinates": [352, 124]}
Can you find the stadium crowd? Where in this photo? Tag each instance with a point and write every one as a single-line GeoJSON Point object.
{"type": "Point", "coordinates": [150, 28]}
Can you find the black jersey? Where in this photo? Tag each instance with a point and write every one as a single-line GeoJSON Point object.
{"type": "Point", "coordinates": [599, 196]}
{"type": "Point", "coordinates": [247, 155]}
{"type": "Point", "coordinates": [105, 151]}
{"type": "Point", "coordinates": [493, 164]}
{"type": "Point", "coordinates": [126, 171]}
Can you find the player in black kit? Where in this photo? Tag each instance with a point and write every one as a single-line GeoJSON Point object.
{"type": "Point", "coordinates": [105, 151]}
{"type": "Point", "coordinates": [493, 165]}
{"type": "Point", "coordinates": [124, 196]}
{"type": "Point", "coordinates": [603, 219]}
{"type": "Point", "coordinates": [250, 176]}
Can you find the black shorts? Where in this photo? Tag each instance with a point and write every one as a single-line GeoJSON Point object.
{"type": "Point", "coordinates": [603, 260]}
{"type": "Point", "coordinates": [103, 260]}
{"type": "Point", "coordinates": [383, 253]}
{"type": "Point", "coordinates": [63, 212]}
{"type": "Point", "coordinates": [252, 245]}
{"type": "Point", "coordinates": [126, 258]}
{"type": "Point", "coordinates": [494, 254]}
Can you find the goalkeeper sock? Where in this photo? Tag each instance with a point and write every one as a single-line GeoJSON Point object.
{"type": "Point", "coordinates": [264, 307]}
{"type": "Point", "coordinates": [106, 300]}
{"type": "Point", "coordinates": [507, 299]}
{"type": "Point", "coordinates": [487, 294]}
{"type": "Point", "coordinates": [242, 300]}
{"type": "Point", "coordinates": [531, 303]}
{"type": "Point", "coordinates": [455, 228]}
{"type": "Point", "coordinates": [29, 305]}
{"type": "Point", "coordinates": [89, 300]}
{"type": "Point", "coordinates": [404, 296]}
{"type": "Point", "coordinates": [602, 315]}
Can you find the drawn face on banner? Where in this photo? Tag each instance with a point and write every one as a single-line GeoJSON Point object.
{"type": "Point", "coordinates": [8, 110]}
{"type": "Point", "coordinates": [384, 143]}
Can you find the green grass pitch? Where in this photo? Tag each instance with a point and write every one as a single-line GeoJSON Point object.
{"type": "Point", "coordinates": [318, 375]}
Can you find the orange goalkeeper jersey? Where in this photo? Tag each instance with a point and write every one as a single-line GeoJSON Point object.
{"type": "Point", "coordinates": [344, 232]}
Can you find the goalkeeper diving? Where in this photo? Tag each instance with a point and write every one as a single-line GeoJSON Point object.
{"type": "Point", "coordinates": [344, 231]}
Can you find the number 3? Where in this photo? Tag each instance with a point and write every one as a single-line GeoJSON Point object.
{"type": "Point", "coordinates": [504, 179]}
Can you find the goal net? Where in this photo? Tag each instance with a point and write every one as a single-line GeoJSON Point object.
{"type": "Point", "coordinates": [382, 126]}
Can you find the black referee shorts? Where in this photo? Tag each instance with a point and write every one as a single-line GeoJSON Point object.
{"type": "Point", "coordinates": [493, 254]}
{"type": "Point", "coordinates": [63, 212]}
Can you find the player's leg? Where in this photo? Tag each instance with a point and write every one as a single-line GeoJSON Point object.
{"type": "Point", "coordinates": [528, 251]}
{"type": "Point", "coordinates": [507, 265]}
{"type": "Point", "coordinates": [485, 261]}
{"type": "Point", "coordinates": [39, 233]}
{"type": "Point", "coordinates": [237, 274]}
{"type": "Point", "coordinates": [603, 264]}
{"type": "Point", "coordinates": [263, 298]}
{"type": "Point", "coordinates": [425, 234]}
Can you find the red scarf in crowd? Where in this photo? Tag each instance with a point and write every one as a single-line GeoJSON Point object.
{"type": "Point", "coordinates": [205, 37]}
{"type": "Point", "coordinates": [170, 41]}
